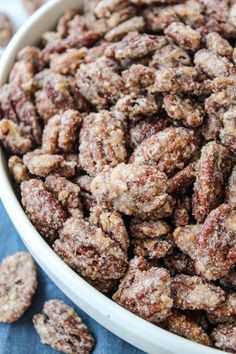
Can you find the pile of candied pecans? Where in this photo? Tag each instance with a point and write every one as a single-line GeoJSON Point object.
{"type": "Point", "coordinates": [122, 134]}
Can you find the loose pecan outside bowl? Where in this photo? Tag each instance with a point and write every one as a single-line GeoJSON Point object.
{"type": "Point", "coordinates": [131, 328]}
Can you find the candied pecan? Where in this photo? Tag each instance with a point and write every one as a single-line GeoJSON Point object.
{"type": "Point", "coordinates": [18, 282]}
{"type": "Point", "coordinates": [133, 190]}
{"type": "Point", "coordinates": [81, 104]}
{"type": "Point", "coordinates": [141, 229]}
{"type": "Point", "coordinates": [45, 107]}
{"type": "Point", "coordinates": [145, 128]}
{"type": "Point", "coordinates": [184, 179]}
{"type": "Point", "coordinates": [61, 327]}
{"type": "Point", "coordinates": [134, 24]}
{"type": "Point", "coordinates": [178, 262]}
{"type": "Point", "coordinates": [170, 56]}
{"type": "Point", "coordinates": [213, 64]}
{"type": "Point", "coordinates": [228, 130]}
{"type": "Point", "coordinates": [216, 246]}
{"type": "Point", "coordinates": [225, 312]}
{"type": "Point", "coordinates": [16, 104]}
{"type": "Point", "coordinates": [186, 238]}
{"type": "Point", "coordinates": [99, 82]}
{"type": "Point", "coordinates": [145, 291]}
{"type": "Point", "coordinates": [183, 35]}
{"type": "Point", "coordinates": [138, 77]}
{"type": "Point", "coordinates": [14, 137]}
{"type": "Point", "coordinates": [175, 80]}
{"type": "Point", "coordinates": [229, 280]}
{"type": "Point", "coordinates": [188, 110]}
{"type": "Point", "coordinates": [43, 164]}
{"type": "Point", "coordinates": [112, 224]}
{"type": "Point", "coordinates": [63, 23]}
{"type": "Point", "coordinates": [49, 36]}
{"type": "Point", "coordinates": [75, 40]}
{"type": "Point", "coordinates": [57, 90]}
{"type": "Point", "coordinates": [212, 173]}
{"type": "Point", "coordinates": [95, 52]}
{"type": "Point", "coordinates": [218, 44]}
{"type": "Point", "coordinates": [169, 149]}
{"type": "Point", "coordinates": [135, 45]}
{"type": "Point", "coordinates": [137, 106]}
{"type": "Point", "coordinates": [211, 127]}
{"type": "Point", "coordinates": [107, 8]}
{"type": "Point", "coordinates": [68, 62]}
{"type": "Point", "coordinates": [186, 327]}
{"type": "Point", "coordinates": [158, 18]}
{"type": "Point", "coordinates": [84, 182]}
{"type": "Point", "coordinates": [231, 189]}
{"type": "Point", "coordinates": [194, 293]}
{"type": "Point", "coordinates": [191, 13]}
{"type": "Point", "coordinates": [150, 2]}
{"type": "Point", "coordinates": [5, 29]}
{"type": "Point", "coordinates": [232, 14]}
{"type": "Point", "coordinates": [42, 208]}
{"type": "Point", "coordinates": [224, 337]}
{"type": "Point", "coordinates": [90, 251]}
{"type": "Point", "coordinates": [182, 211]}
{"type": "Point", "coordinates": [18, 170]}
{"type": "Point", "coordinates": [67, 193]}
{"type": "Point", "coordinates": [32, 5]}
{"type": "Point", "coordinates": [23, 71]}
{"type": "Point", "coordinates": [153, 248]}
{"type": "Point", "coordinates": [217, 15]}
{"type": "Point", "coordinates": [102, 142]}
{"type": "Point", "coordinates": [61, 132]}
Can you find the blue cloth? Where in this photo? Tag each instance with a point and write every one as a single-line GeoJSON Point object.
{"type": "Point", "coordinates": [20, 337]}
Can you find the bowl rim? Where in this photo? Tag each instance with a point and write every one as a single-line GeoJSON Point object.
{"type": "Point", "coordinates": [112, 316]}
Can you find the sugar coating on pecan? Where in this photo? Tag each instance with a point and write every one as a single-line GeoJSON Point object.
{"type": "Point", "coordinates": [134, 24]}
{"type": "Point", "coordinates": [18, 170]}
{"type": "Point", "coordinates": [168, 150]}
{"type": "Point", "coordinates": [18, 282]}
{"type": "Point", "coordinates": [186, 238]}
{"type": "Point", "coordinates": [159, 17]}
{"type": "Point", "coordinates": [5, 29]}
{"type": "Point", "coordinates": [216, 244]}
{"type": "Point", "coordinates": [225, 312]}
{"type": "Point", "coordinates": [61, 132]}
{"type": "Point", "coordinates": [212, 173]}
{"type": "Point", "coordinates": [175, 80]}
{"type": "Point", "coordinates": [66, 192]}
{"type": "Point", "coordinates": [135, 45]}
{"type": "Point", "coordinates": [218, 44]}
{"type": "Point", "coordinates": [186, 327]}
{"type": "Point", "coordinates": [228, 131]}
{"type": "Point", "coordinates": [68, 62]}
{"type": "Point", "coordinates": [231, 189]}
{"type": "Point", "coordinates": [102, 142]}
{"type": "Point", "coordinates": [194, 293]}
{"type": "Point", "coordinates": [61, 327]}
{"type": "Point", "coordinates": [188, 110]}
{"type": "Point", "coordinates": [137, 106]}
{"type": "Point", "coordinates": [182, 212]}
{"type": "Point", "coordinates": [191, 13]}
{"type": "Point", "coordinates": [145, 291]}
{"type": "Point", "coordinates": [138, 78]}
{"type": "Point", "coordinates": [141, 229]}
{"type": "Point", "coordinates": [90, 251]}
{"type": "Point", "coordinates": [170, 56]}
{"type": "Point", "coordinates": [42, 208]}
{"type": "Point", "coordinates": [14, 137]}
{"type": "Point", "coordinates": [213, 64]}
{"type": "Point", "coordinates": [111, 223]}
{"type": "Point", "coordinates": [145, 128]}
{"type": "Point", "coordinates": [183, 179]}
{"type": "Point", "coordinates": [224, 337]}
{"type": "Point", "coordinates": [133, 190]}
{"type": "Point", "coordinates": [184, 35]}
{"type": "Point", "coordinates": [29, 61]}
{"type": "Point", "coordinates": [100, 83]}
{"type": "Point", "coordinates": [153, 248]}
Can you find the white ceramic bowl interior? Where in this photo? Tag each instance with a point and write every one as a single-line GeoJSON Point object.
{"type": "Point", "coordinates": [131, 328]}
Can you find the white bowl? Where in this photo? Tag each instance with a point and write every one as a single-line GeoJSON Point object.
{"type": "Point", "coordinates": [131, 328]}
